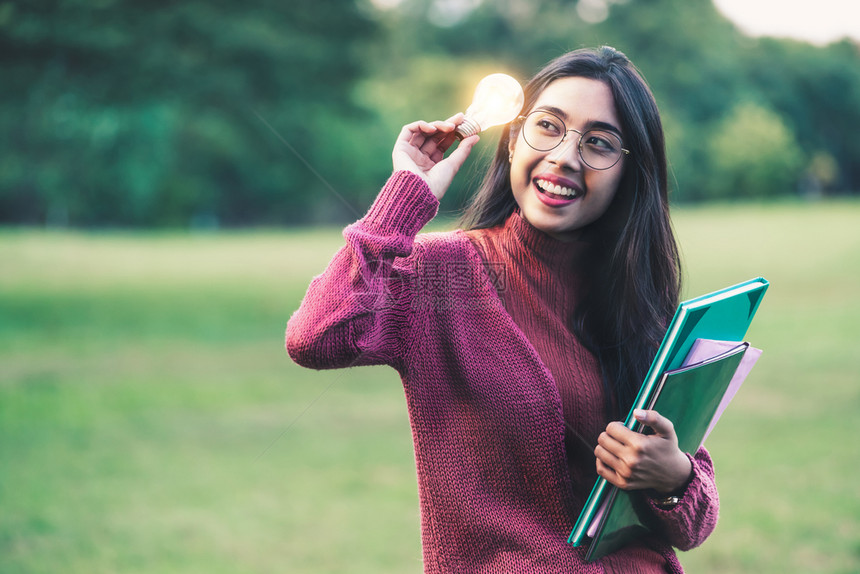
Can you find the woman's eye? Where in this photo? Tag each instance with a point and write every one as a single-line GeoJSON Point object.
{"type": "Point", "coordinates": [600, 142]}
{"type": "Point", "coordinates": [548, 126]}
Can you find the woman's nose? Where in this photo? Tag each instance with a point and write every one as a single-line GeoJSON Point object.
{"type": "Point", "coordinates": [567, 152]}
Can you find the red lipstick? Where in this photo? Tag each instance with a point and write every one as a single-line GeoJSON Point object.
{"type": "Point", "coordinates": [556, 191]}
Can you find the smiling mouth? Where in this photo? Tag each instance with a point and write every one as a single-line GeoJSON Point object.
{"type": "Point", "coordinates": [557, 191]}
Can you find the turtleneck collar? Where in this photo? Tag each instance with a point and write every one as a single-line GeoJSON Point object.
{"type": "Point", "coordinates": [558, 255]}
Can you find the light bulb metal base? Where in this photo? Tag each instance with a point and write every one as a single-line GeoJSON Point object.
{"type": "Point", "coordinates": [468, 128]}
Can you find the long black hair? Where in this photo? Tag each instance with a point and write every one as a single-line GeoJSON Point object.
{"type": "Point", "coordinates": [632, 276]}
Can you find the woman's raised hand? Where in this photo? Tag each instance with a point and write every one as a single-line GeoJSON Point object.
{"type": "Point", "coordinates": [420, 148]}
{"type": "Point", "coordinates": [632, 460]}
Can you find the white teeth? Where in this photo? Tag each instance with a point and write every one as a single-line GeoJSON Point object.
{"type": "Point", "coordinates": [556, 189]}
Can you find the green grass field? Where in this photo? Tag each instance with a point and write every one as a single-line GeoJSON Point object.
{"type": "Point", "coordinates": [150, 420]}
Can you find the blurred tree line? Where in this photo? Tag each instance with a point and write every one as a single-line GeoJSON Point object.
{"type": "Point", "coordinates": [263, 112]}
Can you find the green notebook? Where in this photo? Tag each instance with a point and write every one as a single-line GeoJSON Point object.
{"type": "Point", "coordinates": [722, 315]}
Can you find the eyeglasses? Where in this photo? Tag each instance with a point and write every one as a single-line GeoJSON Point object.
{"type": "Point", "coordinates": [545, 131]}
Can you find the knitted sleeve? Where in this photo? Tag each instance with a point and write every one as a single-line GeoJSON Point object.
{"type": "Point", "coordinates": [693, 519]}
{"type": "Point", "coordinates": [357, 312]}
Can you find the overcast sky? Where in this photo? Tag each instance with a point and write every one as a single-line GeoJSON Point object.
{"type": "Point", "coordinates": [817, 21]}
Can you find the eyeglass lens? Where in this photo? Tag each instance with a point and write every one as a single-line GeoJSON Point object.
{"type": "Point", "coordinates": [599, 149]}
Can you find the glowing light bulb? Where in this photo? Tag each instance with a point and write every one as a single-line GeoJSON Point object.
{"type": "Point", "coordinates": [498, 99]}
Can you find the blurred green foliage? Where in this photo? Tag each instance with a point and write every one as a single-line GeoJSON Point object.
{"type": "Point", "coordinates": [151, 113]}
{"type": "Point", "coordinates": [754, 150]}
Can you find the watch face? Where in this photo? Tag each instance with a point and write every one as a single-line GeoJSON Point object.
{"type": "Point", "coordinates": [668, 502]}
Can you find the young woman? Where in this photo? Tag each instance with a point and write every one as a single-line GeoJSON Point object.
{"type": "Point", "coordinates": [520, 337]}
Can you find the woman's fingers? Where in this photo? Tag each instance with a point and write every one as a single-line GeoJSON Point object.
{"type": "Point", "coordinates": [623, 436]}
{"type": "Point", "coordinates": [424, 137]}
{"type": "Point", "coordinates": [441, 139]}
{"type": "Point", "coordinates": [416, 133]}
{"type": "Point", "coordinates": [419, 127]}
{"type": "Point", "coordinates": [456, 119]}
{"type": "Point", "coordinates": [421, 148]}
{"type": "Point", "coordinates": [632, 460]}
{"type": "Point", "coordinates": [614, 452]}
{"type": "Point", "coordinates": [408, 152]}
{"type": "Point", "coordinates": [608, 457]}
{"type": "Point", "coordinates": [660, 424]}
{"type": "Point", "coordinates": [428, 137]}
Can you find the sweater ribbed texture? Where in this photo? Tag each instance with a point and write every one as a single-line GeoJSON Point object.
{"type": "Point", "coordinates": [540, 290]}
{"type": "Point", "coordinates": [496, 490]}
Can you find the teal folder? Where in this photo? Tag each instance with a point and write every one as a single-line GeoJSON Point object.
{"type": "Point", "coordinates": [722, 315]}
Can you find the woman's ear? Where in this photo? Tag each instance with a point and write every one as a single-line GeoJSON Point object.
{"type": "Point", "coordinates": [513, 134]}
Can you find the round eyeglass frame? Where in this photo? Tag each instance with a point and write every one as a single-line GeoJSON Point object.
{"type": "Point", "coordinates": [522, 120]}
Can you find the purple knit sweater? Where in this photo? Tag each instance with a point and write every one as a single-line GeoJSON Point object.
{"type": "Point", "coordinates": [487, 420]}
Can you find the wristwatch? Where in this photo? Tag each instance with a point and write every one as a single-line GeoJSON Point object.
{"type": "Point", "coordinates": [667, 503]}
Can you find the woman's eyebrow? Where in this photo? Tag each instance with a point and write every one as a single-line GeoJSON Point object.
{"type": "Point", "coordinates": [605, 127]}
{"type": "Point", "coordinates": [592, 125]}
{"type": "Point", "coordinates": [553, 110]}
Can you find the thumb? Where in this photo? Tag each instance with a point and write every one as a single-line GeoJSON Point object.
{"type": "Point", "coordinates": [660, 424]}
{"type": "Point", "coordinates": [459, 155]}
{"type": "Point", "coordinates": [443, 174]}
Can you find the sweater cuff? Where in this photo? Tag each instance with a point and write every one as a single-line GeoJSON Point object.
{"type": "Point", "coordinates": [693, 519]}
{"type": "Point", "coordinates": [688, 486]}
{"type": "Point", "coordinates": [403, 207]}
{"type": "Point", "coordinates": [691, 500]}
